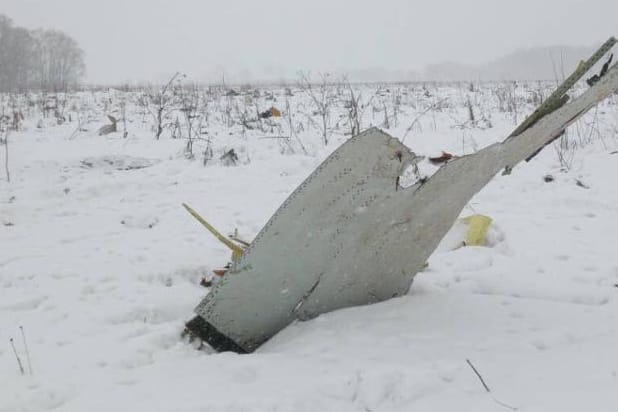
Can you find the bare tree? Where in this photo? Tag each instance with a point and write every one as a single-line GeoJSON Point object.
{"type": "Point", "coordinates": [190, 100]}
{"type": "Point", "coordinates": [16, 58]}
{"type": "Point", "coordinates": [159, 104]}
{"type": "Point", "coordinates": [356, 107]}
{"type": "Point", "coordinates": [42, 59]}
{"type": "Point", "coordinates": [290, 120]}
{"type": "Point", "coordinates": [321, 95]}
{"type": "Point", "coordinates": [59, 59]}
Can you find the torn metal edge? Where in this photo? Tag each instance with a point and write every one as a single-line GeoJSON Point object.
{"type": "Point", "coordinates": [199, 327]}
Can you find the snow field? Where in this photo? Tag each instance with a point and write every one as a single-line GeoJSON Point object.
{"type": "Point", "coordinates": [101, 267]}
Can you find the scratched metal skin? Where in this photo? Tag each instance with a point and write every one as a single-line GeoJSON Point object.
{"type": "Point", "coordinates": [349, 235]}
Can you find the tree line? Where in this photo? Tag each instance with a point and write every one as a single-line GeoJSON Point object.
{"type": "Point", "coordinates": [47, 60]}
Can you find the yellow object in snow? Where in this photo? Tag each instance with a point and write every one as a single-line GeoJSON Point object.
{"type": "Point", "coordinates": [478, 225]}
{"type": "Point", "coordinates": [237, 251]}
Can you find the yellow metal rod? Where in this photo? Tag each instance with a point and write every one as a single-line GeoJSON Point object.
{"type": "Point", "coordinates": [237, 251]}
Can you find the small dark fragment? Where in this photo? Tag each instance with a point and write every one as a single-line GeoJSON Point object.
{"type": "Point", "coordinates": [229, 158]}
{"type": "Point", "coordinates": [548, 178]}
{"type": "Point", "coordinates": [445, 157]}
{"type": "Point", "coordinates": [266, 115]}
{"type": "Point", "coordinates": [595, 79]}
{"type": "Point", "coordinates": [581, 184]}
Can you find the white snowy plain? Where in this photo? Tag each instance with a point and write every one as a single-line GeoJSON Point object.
{"type": "Point", "coordinates": [100, 267]}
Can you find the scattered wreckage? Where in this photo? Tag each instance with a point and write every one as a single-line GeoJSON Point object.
{"type": "Point", "coordinates": [351, 235]}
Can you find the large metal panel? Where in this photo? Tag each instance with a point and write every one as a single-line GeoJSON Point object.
{"type": "Point", "coordinates": [350, 235]}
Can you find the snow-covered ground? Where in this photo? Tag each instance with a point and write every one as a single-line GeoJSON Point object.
{"type": "Point", "coordinates": [100, 266]}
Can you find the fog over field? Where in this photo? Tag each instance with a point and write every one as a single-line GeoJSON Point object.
{"type": "Point", "coordinates": [146, 40]}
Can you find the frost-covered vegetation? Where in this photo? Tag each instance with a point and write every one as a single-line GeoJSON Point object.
{"type": "Point", "coordinates": [206, 121]}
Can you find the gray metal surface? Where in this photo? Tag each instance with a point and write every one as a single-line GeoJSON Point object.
{"type": "Point", "coordinates": [556, 98]}
{"type": "Point", "coordinates": [349, 235]}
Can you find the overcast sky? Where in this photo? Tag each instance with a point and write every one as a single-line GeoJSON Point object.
{"type": "Point", "coordinates": [146, 40]}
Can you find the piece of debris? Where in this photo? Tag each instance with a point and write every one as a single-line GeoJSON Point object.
{"type": "Point", "coordinates": [594, 79]}
{"type": "Point", "coordinates": [445, 157]}
{"type": "Point", "coordinates": [237, 249]}
{"type": "Point", "coordinates": [272, 112]}
{"type": "Point", "coordinates": [467, 231]}
{"type": "Point", "coordinates": [229, 158]}
{"type": "Point", "coordinates": [558, 99]}
{"type": "Point", "coordinates": [478, 225]}
{"type": "Point", "coordinates": [349, 236]}
{"type": "Point", "coordinates": [548, 178]}
{"type": "Point", "coordinates": [581, 184]}
{"type": "Point", "coordinates": [109, 128]}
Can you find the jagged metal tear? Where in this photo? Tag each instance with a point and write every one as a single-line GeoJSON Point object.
{"type": "Point", "coordinates": [350, 235]}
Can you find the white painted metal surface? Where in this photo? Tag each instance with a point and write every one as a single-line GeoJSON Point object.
{"type": "Point", "coordinates": [349, 235]}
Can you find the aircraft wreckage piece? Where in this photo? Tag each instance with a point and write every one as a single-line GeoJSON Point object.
{"type": "Point", "coordinates": [350, 235]}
